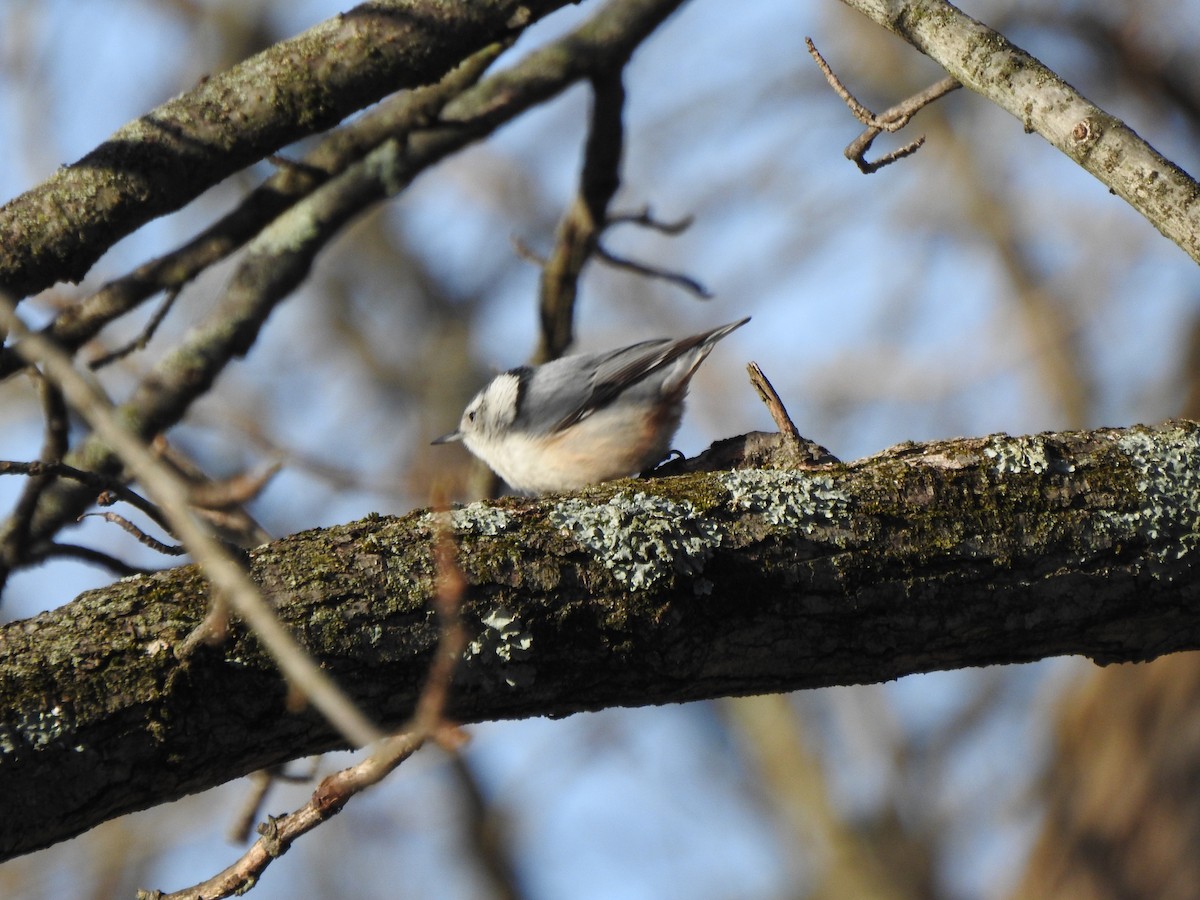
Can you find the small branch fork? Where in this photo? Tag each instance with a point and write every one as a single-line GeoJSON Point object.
{"type": "Point", "coordinates": [891, 120]}
{"type": "Point", "coordinates": [334, 792]}
{"type": "Point", "coordinates": [579, 232]}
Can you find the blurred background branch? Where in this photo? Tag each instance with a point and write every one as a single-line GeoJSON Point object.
{"type": "Point", "coordinates": [984, 284]}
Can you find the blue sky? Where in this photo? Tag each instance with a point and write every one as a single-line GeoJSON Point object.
{"type": "Point", "coordinates": [882, 313]}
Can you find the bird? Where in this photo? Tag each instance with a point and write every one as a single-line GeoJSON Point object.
{"type": "Point", "coordinates": [587, 418]}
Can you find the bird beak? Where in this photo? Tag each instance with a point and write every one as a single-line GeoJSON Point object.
{"type": "Point", "coordinates": [448, 438]}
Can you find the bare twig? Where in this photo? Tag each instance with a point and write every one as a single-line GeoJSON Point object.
{"type": "Point", "coordinates": [140, 342]}
{"type": "Point", "coordinates": [260, 785]}
{"type": "Point", "coordinates": [212, 630]}
{"type": "Point", "coordinates": [334, 792]}
{"type": "Point", "coordinates": [890, 121]}
{"type": "Point", "coordinates": [88, 555]}
{"type": "Point", "coordinates": [228, 579]}
{"type": "Point", "coordinates": [235, 491]}
{"type": "Point", "coordinates": [646, 219]}
{"type": "Point", "coordinates": [798, 450]}
{"type": "Point", "coordinates": [526, 253]}
{"type": "Point", "coordinates": [689, 284]}
{"type": "Point", "coordinates": [143, 538]}
{"type": "Point", "coordinates": [769, 396]}
{"type": "Point", "coordinates": [108, 490]}
{"type": "Point", "coordinates": [54, 447]}
{"type": "Point", "coordinates": [487, 833]}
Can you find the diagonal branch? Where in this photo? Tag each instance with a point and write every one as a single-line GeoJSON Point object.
{"type": "Point", "coordinates": [170, 491]}
{"type": "Point", "coordinates": [164, 159]}
{"type": "Point", "coordinates": [278, 834]}
{"type": "Point", "coordinates": [396, 117]}
{"type": "Point", "coordinates": [280, 257]}
{"type": "Point", "coordinates": [989, 64]}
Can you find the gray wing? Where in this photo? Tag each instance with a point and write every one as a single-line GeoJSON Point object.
{"type": "Point", "coordinates": [568, 390]}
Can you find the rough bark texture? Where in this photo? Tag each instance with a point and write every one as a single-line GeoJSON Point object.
{"type": "Point", "coordinates": [169, 156]}
{"type": "Point", "coordinates": [969, 552]}
{"type": "Point", "coordinates": [989, 64]}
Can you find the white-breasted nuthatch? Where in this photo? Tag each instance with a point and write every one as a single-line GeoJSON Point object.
{"type": "Point", "coordinates": [583, 419]}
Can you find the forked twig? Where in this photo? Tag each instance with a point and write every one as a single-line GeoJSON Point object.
{"type": "Point", "coordinates": [891, 120]}
{"type": "Point", "coordinates": [646, 219]}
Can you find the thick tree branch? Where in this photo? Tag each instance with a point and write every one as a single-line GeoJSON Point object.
{"type": "Point", "coordinates": [396, 117]}
{"type": "Point", "coordinates": [968, 552]}
{"type": "Point", "coordinates": [989, 64]}
{"type": "Point", "coordinates": [169, 156]}
{"type": "Point", "coordinates": [223, 571]}
{"type": "Point", "coordinates": [280, 257]}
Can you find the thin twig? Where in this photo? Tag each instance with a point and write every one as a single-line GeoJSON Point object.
{"type": "Point", "coordinates": [646, 219]}
{"type": "Point", "coordinates": [140, 342]}
{"type": "Point", "coordinates": [88, 555]}
{"type": "Point", "coordinates": [526, 253]}
{"type": "Point", "coordinates": [769, 396]}
{"type": "Point", "coordinates": [212, 630]}
{"type": "Point", "coordinates": [234, 491]}
{"type": "Point", "coordinates": [108, 490]}
{"type": "Point", "coordinates": [54, 446]}
{"type": "Point", "coordinates": [490, 838]}
{"type": "Point", "coordinates": [803, 452]}
{"type": "Point", "coordinates": [227, 577]}
{"type": "Point", "coordinates": [335, 791]}
{"type": "Point", "coordinates": [689, 284]}
{"type": "Point", "coordinates": [260, 785]}
{"type": "Point", "coordinates": [143, 538]}
{"type": "Point", "coordinates": [891, 120]}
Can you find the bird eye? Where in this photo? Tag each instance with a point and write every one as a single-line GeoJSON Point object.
{"type": "Point", "coordinates": [471, 416]}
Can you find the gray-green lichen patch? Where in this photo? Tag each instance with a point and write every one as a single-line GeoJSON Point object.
{"type": "Point", "coordinates": [504, 637]}
{"type": "Point", "coordinates": [1028, 453]}
{"type": "Point", "coordinates": [802, 501]}
{"type": "Point", "coordinates": [641, 538]}
{"type": "Point", "coordinates": [1166, 465]}
{"type": "Point", "coordinates": [475, 518]}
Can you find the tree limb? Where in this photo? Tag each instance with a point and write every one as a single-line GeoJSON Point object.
{"type": "Point", "coordinates": [958, 553]}
{"type": "Point", "coordinates": [398, 116]}
{"type": "Point", "coordinates": [162, 160]}
{"type": "Point", "coordinates": [280, 257]}
{"type": "Point", "coordinates": [989, 64]}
